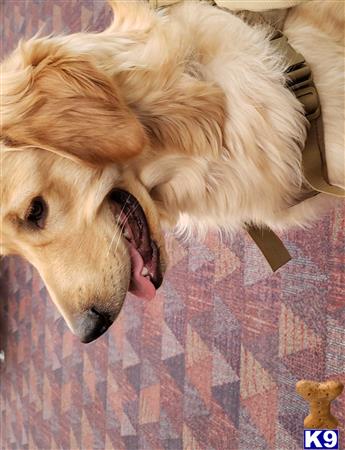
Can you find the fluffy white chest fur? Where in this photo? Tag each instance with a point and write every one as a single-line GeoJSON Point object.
{"type": "Point", "coordinates": [227, 134]}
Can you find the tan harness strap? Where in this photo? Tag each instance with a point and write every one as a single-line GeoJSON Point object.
{"type": "Point", "coordinates": [300, 81]}
{"type": "Point", "coordinates": [314, 162]}
{"type": "Point", "coordinates": [270, 246]}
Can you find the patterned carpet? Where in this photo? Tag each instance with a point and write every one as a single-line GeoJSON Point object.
{"type": "Point", "coordinates": [210, 364]}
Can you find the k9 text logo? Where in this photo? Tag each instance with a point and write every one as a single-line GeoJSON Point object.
{"type": "Point", "coordinates": [323, 439]}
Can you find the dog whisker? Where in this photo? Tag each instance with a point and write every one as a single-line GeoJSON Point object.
{"type": "Point", "coordinates": [123, 225]}
{"type": "Point", "coordinates": [117, 230]}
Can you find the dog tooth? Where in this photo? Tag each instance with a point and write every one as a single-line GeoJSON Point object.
{"type": "Point", "coordinates": [144, 272]}
{"type": "Point", "coordinates": [126, 234]}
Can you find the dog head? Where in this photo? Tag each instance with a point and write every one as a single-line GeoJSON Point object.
{"type": "Point", "coordinates": [70, 203]}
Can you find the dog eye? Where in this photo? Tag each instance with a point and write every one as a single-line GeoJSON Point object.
{"type": "Point", "coordinates": [37, 212]}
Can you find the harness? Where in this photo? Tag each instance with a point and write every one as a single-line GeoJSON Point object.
{"type": "Point", "coordinates": [299, 80]}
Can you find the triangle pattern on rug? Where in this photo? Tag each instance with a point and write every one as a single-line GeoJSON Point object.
{"type": "Point", "coordinates": [301, 363]}
{"type": "Point", "coordinates": [189, 440]}
{"type": "Point", "coordinates": [167, 430]}
{"type": "Point", "coordinates": [285, 440]}
{"type": "Point", "coordinates": [193, 406]}
{"type": "Point", "coordinates": [176, 368]}
{"type": "Point", "coordinates": [254, 378]}
{"type": "Point", "coordinates": [133, 376]}
{"type": "Point", "coordinates": [170, 345]}
{"type": "Point", "coordinates": [227, 263]}
{"type": "Point", "coordinates": [256, 268]}
{"type": "Point", "coordinates": [148, 375]}
{"type": "Point", "coordinates": [127, 428]}
{"type": "Point", "coordinates": [173, 301]}
{"type": "Point", "coordinates": [130, 357]}
{"type": "Point", "coordinates": [227, 396]}
{"type": "Point", "coordinates": [294, 334]}
{"type": "Point", "coordinates": [250, 437]}
{"type": "Point", "coordinates": [199, 254]}
{"type": "Point", "coordinates": [292, 422]}
{"type": "Point", "coordinates": [86, 431]}
{"type": "Point", "coordinates": [223, 319]}
{"type": "Point", "coordinates": [196, 349]}
{"type": "Point", "coordinates": [222, 372]}
{"type": "Point", "coordinates": [261, 408]}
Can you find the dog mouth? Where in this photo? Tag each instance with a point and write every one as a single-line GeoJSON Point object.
{"type": "Point", "coordinates": [146, 276]}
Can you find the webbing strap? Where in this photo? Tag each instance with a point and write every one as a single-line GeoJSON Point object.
{"type": "Point", "coordinates": [314, 162]}
{"type": "Point", "coordinates": [270, 246]}
{"type": "Point", "coordinates": [300, 81]}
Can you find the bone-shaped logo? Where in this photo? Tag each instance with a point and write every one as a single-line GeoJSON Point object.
{"type": "Point", "coordinates": [319, 396]}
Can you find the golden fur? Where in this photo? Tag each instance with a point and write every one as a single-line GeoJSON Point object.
{"type": "Point", "coordinates": [186, 109]}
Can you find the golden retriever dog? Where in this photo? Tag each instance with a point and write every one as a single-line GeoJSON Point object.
{"type": "Point", "coordinates": [172, 119]}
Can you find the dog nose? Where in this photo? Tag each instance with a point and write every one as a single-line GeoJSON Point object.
{"type": "Point", "coordinates": [92, 325]}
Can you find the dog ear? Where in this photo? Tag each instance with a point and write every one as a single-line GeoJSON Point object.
{"type": "Point", "coordinates": [70, 107]}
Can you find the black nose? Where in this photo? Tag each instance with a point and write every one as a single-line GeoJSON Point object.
{"type": "Point", "coordinates": [92, 325]}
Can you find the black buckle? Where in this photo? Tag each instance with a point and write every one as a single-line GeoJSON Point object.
{"type": "Point", "coordinates": [298, 77]}
{"type": "Point", "coordinates": [309, 98]}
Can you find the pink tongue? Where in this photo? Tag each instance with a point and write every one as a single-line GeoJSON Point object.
{"type": "Point", "coordinates": [140, 286]}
